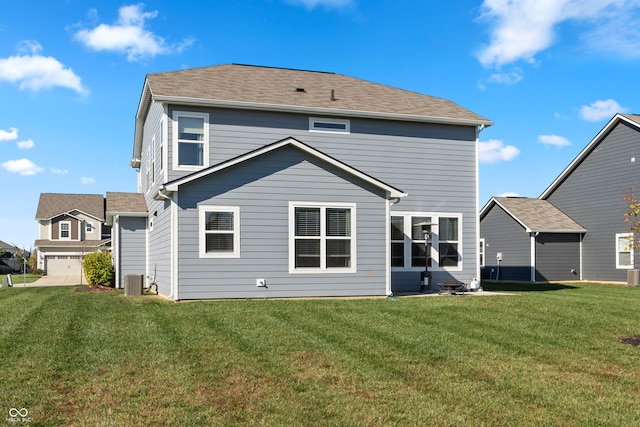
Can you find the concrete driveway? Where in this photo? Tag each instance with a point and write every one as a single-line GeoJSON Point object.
{"type": "Point", "coordinates": [50, 281]}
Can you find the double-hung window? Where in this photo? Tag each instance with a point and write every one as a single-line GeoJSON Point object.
{"type": "Point", "coordinates": [409, 244]}
{"type": "Point", "coordinates": [191, 140]}
{"type": "Point", "coordinates": [65, 230]}
{"type": "Point", "coordinates": [624, 250]}
{"type": "Point", "coordinates": [219, 231]}
{"type": "Point", "coordinates": [322, 237]}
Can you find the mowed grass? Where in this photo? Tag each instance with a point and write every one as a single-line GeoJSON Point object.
{"type": "Point", "coordinates": [546, 355]}
{"type": "Point", "coordinates": [19, 278]}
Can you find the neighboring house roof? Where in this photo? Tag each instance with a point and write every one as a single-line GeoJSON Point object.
{"type": "Point", "coordinates": [54, 204]}
{"type": "Point", "coordinates": [631, 119]}
{"type": "Point", "coordinates": [89, 244]}
{"type": "Point", "coordinates": [125, 204]}
{"type": "Point", "coordinates": [291, 142]}
{"type": "Point", "coordinates": [535, 215]}
{"type": "Point", "coordinates": [289, 90]}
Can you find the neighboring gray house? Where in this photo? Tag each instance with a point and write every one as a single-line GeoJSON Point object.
{"type": "Point", "coordinates": [126, 214]}
{"type": "Point", "coordinates": [69, 226]}
{"type": "Point", "coordinates": [270, 182]}
{"type": "Point", "coordinates": [576, 229]}
{"type": "Point", "coordinates": [9, 258]}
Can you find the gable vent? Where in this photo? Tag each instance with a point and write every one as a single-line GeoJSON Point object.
{"type": "Point", "coordinates": [300, 89]}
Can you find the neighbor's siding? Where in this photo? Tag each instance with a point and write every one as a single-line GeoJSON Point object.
{"type": "Point", "coordinates": [557, 254]}
{"type": "Point", "coordinates": [592, 196]}
{"type": "Point", "coordinates": [435, 164]}
{"type": "Point", "coordinates": [263, 188]}
{"type": "Point", "coordinates": [132, 246]}
{"type": "Point", "coordinates": [503, 234]}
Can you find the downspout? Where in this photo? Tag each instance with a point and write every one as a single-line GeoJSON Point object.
{"type": "Point", "coordinates": [166, 195]}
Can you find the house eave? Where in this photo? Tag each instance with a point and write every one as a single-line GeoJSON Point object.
{"type": "Point", "coordinates": [316, 110]}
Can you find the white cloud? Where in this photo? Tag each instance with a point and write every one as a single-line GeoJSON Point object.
{"type": "Point", "coordinates": [600, 110]}
{"type": "Point", "coordinates": [509, 194]}
{"type": "Point", "coordinates": [22, 167]}
{"type": "Point", "coordinates": [311, 4]}
{"type": "Point", "coordinates": [128, 35]}
{"type": "Point", "coordinates": [523, 28]}
{"type": "Point", "coordinates": [558, 141]}
{"type": "Point", "coordinates": [26, 144]}
{"type": "Point", "coordinates": [37, 72]}
{"type": "Point", "coordinates": [494, 151]}
{"type": "Point", "coordinates": [29, 46]}
{"type": "Point", "coordinates": [87, 181]}
{"type": "Point", "coordinates": [9, 135]}
{"type": "Point", "coordinates": [509, 78]}
{"type": "Point", "coordinates": [59, 171]}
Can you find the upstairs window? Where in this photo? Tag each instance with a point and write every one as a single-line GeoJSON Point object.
{"type": "Point", "coordinates": [191, 136]}
{"type": "Point", "coordinates": [329, 125]}
{"type": "Point", "coordinates": [65, 230]}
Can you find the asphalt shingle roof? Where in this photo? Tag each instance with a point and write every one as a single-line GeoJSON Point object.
{"type": "Point", "coordinates": [538, 215]}
{"type": "Point", "coordinates": [125, 203]}
{"type": "Point", "coordinates": [312, 89]}
{"type": "Point", "coordinates": [53, 204]}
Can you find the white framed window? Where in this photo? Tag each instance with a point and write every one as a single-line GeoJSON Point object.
{"type": "Point", "coordinates": [219, 230]}
{"type": "Point", "coordinates": [409, 247]}
{"type": "Point", "coordinates": [481, 251]}
{"type": "Point", "coordinates": [191, 140]}
{"type": "Point", "coordinates": [322, 237]}
{"type": "Point", "coordinates": [624, 250]}
{"type": "Point", "coordinates": [65, 230]}
{"type": "Point", "coordinates": [317, 124]}
{"type": "Point", "coordinates": [89, 227]}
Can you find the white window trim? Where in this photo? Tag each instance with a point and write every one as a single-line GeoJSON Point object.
{"type": "Point", "coordinates": [482, 253]}
{"type": "Point", "coordinates": [202, 210]}
{"type": "Point", "coordinates": [89, 227]}
{"type": "Point", "coordinates": [618, 265]}
{"type": "Point", "coordinates": [313, 127]}
{"type": "Point", "coordinates": [205, 142]}
{"type": "Point", "coordinates": [60, 230]}
{"type": "Point", "coordinates": [435, 241]}
{"type": "Point", "coordinates": [323, 256]}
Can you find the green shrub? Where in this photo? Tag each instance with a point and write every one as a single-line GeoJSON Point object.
{"type": "Point", "coordinates": [98, 268]}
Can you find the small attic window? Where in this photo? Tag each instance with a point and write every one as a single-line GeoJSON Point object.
{"type": "Point", "coordinates": [329, 125]}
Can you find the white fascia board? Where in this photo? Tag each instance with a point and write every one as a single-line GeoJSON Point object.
{"type": "Point", "coordinates": [317, 111]}
{"type": "Point", "coordinates": [584, 153]}
{"type": "Point", "coordinates": [393, 192]}
{"type": "Point", "coordinates": [143, 107]}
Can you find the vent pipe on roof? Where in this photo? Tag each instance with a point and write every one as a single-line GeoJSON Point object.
{"type": "Point", "coordinates": [333, 97]}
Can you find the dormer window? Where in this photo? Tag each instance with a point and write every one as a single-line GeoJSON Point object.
{"type": "Point", "coordinates": [191, 139]}
{"type": "Point", "coordinates": [329, 125]}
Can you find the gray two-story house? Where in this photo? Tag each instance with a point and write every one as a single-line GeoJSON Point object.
{"type": "Point", "coordinates": [271, 182]}
{"type": "Point", "coordinates": [576, 229]}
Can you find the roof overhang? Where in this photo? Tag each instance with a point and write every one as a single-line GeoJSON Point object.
{"type": "Point", "coordinates": [166, 190]}
{"type": "Point", "coordinates": [147, 98]}
{"type": "Point", "coordinates": [111, 215]}
{"type": "Point", "coordinates": [71, 215]}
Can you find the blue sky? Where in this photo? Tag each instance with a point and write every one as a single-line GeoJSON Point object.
{"type": "Point", "coordinates": [549, 73]}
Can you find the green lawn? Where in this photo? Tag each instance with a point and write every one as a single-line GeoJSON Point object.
{"type": "Point", "coordinates": [19, 278]}
{"type": "Point", "coordinates": [547, 355]}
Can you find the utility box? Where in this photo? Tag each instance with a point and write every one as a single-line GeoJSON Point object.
{"type": "Point", "coordinates": [133, 285]}
{"type": "Point", "coordinates": [633, 277]}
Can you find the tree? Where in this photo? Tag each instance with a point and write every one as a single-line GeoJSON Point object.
{"type": "Point", "coordinates": [632, 218]}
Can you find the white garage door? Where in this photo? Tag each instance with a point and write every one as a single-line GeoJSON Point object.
{"type": "Point", "coordinates": [63, 265]}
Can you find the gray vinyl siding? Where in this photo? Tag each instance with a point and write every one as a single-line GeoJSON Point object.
{"type": "Point", "coordinates": [132, 236]}
{"type": "Point", "coordinates": [159, 259]}
{"type": "Point", "coordinates": [262, 189]}
{"type": "Point", "coordinates": [503, 234]}
{"type": "Point", "coordinates": [592, 196]}
{"type": "Point", "coordinates": [557, 256]}
{"type": "Point", "coordinates": [434, 163]}
{"type": "Point", "coordinates": [150, 167]}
